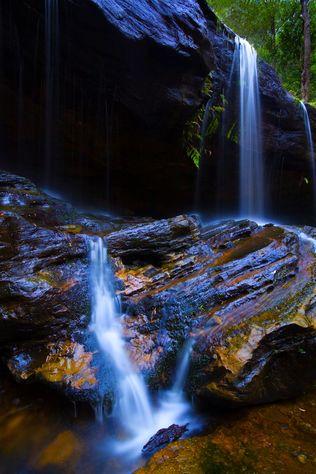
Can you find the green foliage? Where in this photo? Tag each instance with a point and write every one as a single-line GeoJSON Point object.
{"type": "Point", "coordinates": [192, 133]}
{"type": "Point", "coordinates": [275, 28]}
{"type": "Point", "coordinates": [232, 133]}
{"type": "Point", "coordinates": [192, 137]}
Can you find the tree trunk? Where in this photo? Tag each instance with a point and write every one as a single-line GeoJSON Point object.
{"type": "Point", "coordinates": [307, 51]}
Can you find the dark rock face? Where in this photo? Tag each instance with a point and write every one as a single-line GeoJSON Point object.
{"type": "Point", "coordinates": [126, 76]}
{"type": "Point", "coordinates": [118, 98]}
{"type": "Point", "coordinates": [245, 293]}
{"type": "Point", "coordinates": [163, 437]}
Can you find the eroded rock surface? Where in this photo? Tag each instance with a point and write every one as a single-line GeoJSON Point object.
{"type": "Point", "coordinates": [245, 293]}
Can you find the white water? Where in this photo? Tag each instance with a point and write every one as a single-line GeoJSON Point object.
{"type": "Point", "coordinates": [250, 140]}
{"type": "Point", "coordinates": [308, 238]}
{"type": "Point", "coordinates": [134, 411]}
{"type": "Point", "coordinates": [133, 407]}
{"type": "Point", "coordinates": [310, 144]}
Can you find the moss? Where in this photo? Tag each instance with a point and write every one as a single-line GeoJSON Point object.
{"type": "Point", "coordinates": [195, 456]}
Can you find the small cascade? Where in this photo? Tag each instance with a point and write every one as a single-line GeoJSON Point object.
{"type": "Point", "coordinates": [173, 405]}
{"type": "Point", "coordinates": [51, 82]}
{"type": "Point", "coordinates": [310, 144]}
{"type": "Point", "coordinates": [252, 200]}
{"type": "Point", "coordinates": [308, 238]}
{"type": "Point", "coordinates": [183, 367]}
{"type": "Point", "coordinates": [133, 408]}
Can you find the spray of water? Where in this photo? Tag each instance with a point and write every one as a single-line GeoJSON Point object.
{"type": "Point", "coordinates": [252, 199]}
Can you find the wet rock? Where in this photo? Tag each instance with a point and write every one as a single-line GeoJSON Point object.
{"type": "Point", "coordinates": [245, 293]}
{"type": "Point", "coordinates": [64, 449]}
{"type": "Point", "coordinates": [153, 240]}
{"type": "Point", "coordinates": [163, 437]}
{"type": "Point", "coordinates": [249, 440]}
{"type": "Point", "coordinates": [247, 304]}
{"type": "Point", "coordinates": [64, 364]}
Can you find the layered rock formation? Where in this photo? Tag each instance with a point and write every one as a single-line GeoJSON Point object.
{"type": "Point", "coordinates": [245, 293]}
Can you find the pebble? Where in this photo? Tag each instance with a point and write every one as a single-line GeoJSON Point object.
{"type": "Point", "coordinates": [302, 458]}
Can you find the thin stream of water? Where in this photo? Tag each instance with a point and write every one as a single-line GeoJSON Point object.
{"type": "Point", "coordinates": [51, 82]}
{"type": "Point", "coordinates": [310, 143]}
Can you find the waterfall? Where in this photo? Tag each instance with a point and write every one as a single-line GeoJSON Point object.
{"type": "Point", "coordinates": [310, 144]}
{"type": "Point", "coordinates": [251, 160]}
{"type": "Point", "coordinates": [51, 82]}
{"type": "Point", "coordinates": [133, 408]}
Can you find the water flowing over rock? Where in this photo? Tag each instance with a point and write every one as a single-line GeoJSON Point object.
{"type": "Point", "coordinates": [285, 157]}
{"type": "Point", "coordinates": [245, 292]}
{"type": "Point", "coordinates": [251, 179]}
{"type": "Point", "coordinates": [133, 407]}
{"type": "Point", "coordinates": [123, 92]}
{"type": "Point", "coordinates": [241, 293]}
{"type": "Point", "coordinates": [310, 144]}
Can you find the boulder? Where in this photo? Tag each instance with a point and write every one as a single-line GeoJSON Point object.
{"type": "Point", "coordinates": [163, 437]}
{"type": "Point", "coordinates": [243, 292]}
{"type": "Point", "coordinates": [246, 295]}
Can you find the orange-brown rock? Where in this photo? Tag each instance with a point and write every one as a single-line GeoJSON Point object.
{"type": "Point", "coordinates": [276, 438]}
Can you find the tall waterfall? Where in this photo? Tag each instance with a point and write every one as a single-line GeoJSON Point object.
{"type": "Point", "coordinates": [133, 409]}
{"type": "Point", "coordinates": [51, 82]}
{"type": "Point", "coordinates": [310, 144]}
{"type": "Point", "coordinates": [251, 161]}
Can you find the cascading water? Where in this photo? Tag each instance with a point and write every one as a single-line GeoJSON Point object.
{"type": "Point", "coordinates": [51, 81]}
{"type": "Point", "coordinates": [133, 406]}
{"type": "Point", "coordinates": [310, 144]}
{"type": "Point", "coordinates": [134, 410]}
{"type": "Point", "coordinates": [183, 367]}
{"type": "Point", "coordinates": [252, 200]}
